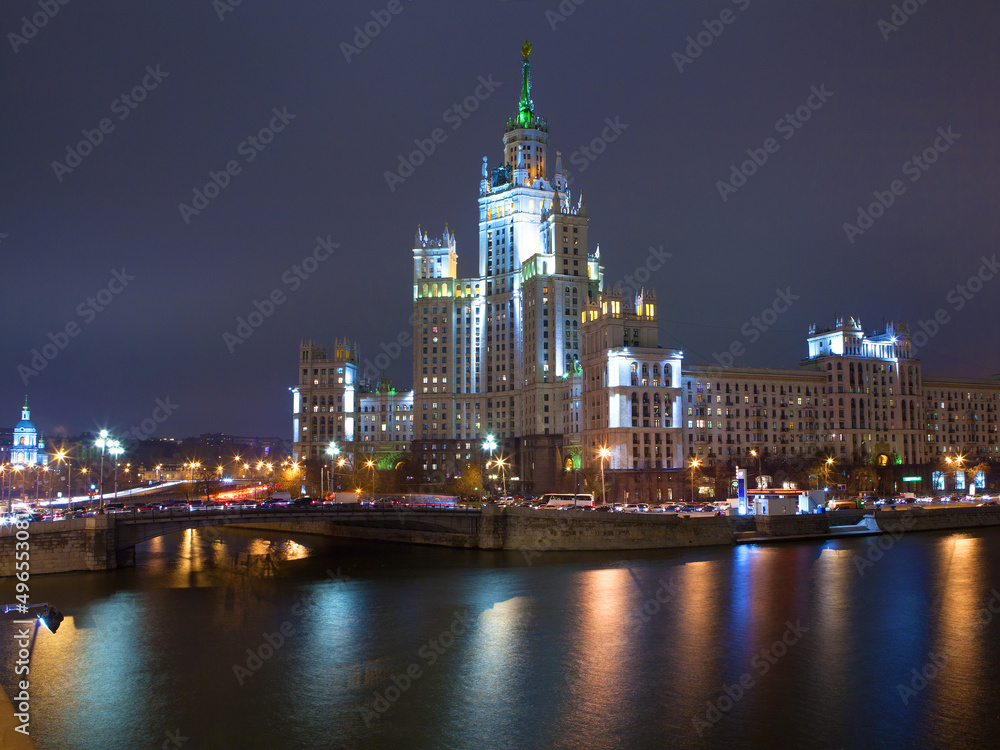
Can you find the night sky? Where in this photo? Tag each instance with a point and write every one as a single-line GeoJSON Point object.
{"type": "Point", "coordinates": [167, 284]}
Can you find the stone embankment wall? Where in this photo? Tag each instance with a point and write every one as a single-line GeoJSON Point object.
{"type": "Point", "coordinates": [60, 546]}
{"type": "Point", "coordinates": [778, 526]}
{"type": "Point", "coordinates": [522, 528]}
{"type": "Point", "coordinates": [90, 543]}
{"type": "Point", "coordinates": [525, 529]}
{"type": "Point", "coordinates": [937, 519]}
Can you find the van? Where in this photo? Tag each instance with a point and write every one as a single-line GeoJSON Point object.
{"type": "Point", "coordinates": [842, 504]}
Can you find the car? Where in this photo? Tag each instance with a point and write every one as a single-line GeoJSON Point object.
{"type": "Point", "coordinates": [988, 504]}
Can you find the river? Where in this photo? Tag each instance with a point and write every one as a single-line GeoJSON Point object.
{"type": "Point", "coordinates": [251, 639]}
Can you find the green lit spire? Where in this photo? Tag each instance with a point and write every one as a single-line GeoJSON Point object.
{"type": "Point", "coordinates": [524, 110]}
{"type": "Point", "coordinates": [526, 119]}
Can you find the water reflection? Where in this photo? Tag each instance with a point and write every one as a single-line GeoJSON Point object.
{"type": "Point", "coordinates": [568, 652]}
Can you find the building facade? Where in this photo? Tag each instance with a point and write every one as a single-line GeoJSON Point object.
{"type": "Point", "coordinates": [569, 376]}
{"type": "Point", "coordinates": [334, 403]}
{"type": "Point", "coordinates": [27, 446]}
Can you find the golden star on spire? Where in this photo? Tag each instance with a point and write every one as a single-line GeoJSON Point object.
{"type": "Point", "coordinates": [526, 50]}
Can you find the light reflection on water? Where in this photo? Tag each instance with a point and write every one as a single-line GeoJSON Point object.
{"type": "Point", "coordinates": [575, 650]}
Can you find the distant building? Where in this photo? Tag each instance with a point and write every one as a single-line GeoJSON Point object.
{"type": "Point", "coordinates": [28, 448]}
{"type": "Point", "coordinates": [334, 403]}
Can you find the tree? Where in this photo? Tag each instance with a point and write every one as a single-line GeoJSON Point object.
{"type": "Point", "coordinates": [469, 484]}
{"type": "Point", "coordinates": [862, 479]}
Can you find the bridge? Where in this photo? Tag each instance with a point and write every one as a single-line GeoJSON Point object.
{"type": "Point", "coordinates": [105, 542]}
{"type": "Point", "coordinates": [451, 527]}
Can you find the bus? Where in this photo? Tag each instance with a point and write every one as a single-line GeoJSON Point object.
{"type": "Point", "coordinates": [562, 500]}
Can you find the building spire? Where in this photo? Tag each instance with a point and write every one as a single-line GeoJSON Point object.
{"type": "Point", "coordinates": [524, 108]}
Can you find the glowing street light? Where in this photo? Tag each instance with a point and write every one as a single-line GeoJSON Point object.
{"type": "Point", "coordinates": [371, 465]}
{"type": "Point", "coordinates": [760, 471]}
{"type": "Point", "coordinates": [501, 464]}
{"type": "Point", "coordinates": [490, 446]}
{"type": "Point", "coordinates": [605, 454]}
{"type": "Point", "coordinates": [332, 450]}
{"type": "Point", "coordinates": [956, 464]}
{"type": "Point", "coordinates": [695, 463]}
{"type": "Point", "coordinates": [115, 449]}
{"type": "Point", "coordinates": [61, 458]}
{"type": "Point", "coordinates": [102, 443]}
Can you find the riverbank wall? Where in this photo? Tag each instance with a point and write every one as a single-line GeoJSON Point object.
{"type": "Point", "coordinates": [97, 544]}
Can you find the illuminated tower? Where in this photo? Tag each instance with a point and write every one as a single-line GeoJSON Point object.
{"type": "Point", "coordinates": [25, 449]}
{"type": "Point", "coordinates": [493, 353]}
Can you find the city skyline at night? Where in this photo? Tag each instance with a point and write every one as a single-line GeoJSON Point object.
{"type": "Point", "coordinates": [207, 225]}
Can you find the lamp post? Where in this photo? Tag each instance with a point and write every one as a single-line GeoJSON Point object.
{"type": "Point", "coordinates": [490, 446]}
{"type": "Point", "coordinates": [829, 463]}
{"type": "Point", "coordinates": [501, 464]}
{"type": "Point", "coordinates": [333, 450]}
{"type": "Point", "coordinates": [102, 443]}
{"type": "Point", "coordinates": [61, 458]}
{"type": "Point", "coordinates": [956, 464]}
{"type": "Point", "coordinates": [115, 449]}
{"type": "Point", "coordinates": [694, 466]}
{"type": "Point", "coordinates": [605, 454]}
{"type": "Point", "coordinates": [371, 465]}
{"type": "Point", "coordinates": [760, 470]}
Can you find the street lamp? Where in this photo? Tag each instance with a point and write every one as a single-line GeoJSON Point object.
{"type": "Point", "coordinates": [61, 458]}
{"type": "Point", "coordinates": [115, 449]}
{"type": "Point", "coordinates": [829, 463]}
{"type": "Point", "coordinates": [760, 471]}
{"type": "Point", "coordinates": [332, 450]}
{"type": "Point", "coordinates": [501, 464]}
{"type": "Point", "coordinates": [371, 465]}
{"type": "Point", "coordinates": [102, 443]}
{"type": "Point", "coordinates": [694, 465]}
{"type": "Point", "coordinates": [605, 454]}
{"type": "Point", "coordinates": [956, 463]}
{"type": "Point", "coordinates": [490, 446]}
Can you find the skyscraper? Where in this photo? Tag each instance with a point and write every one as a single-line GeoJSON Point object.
{"type": "Point", "coordinates": [492, 352]}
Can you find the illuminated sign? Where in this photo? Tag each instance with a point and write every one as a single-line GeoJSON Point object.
{"type": "Point", "coordinates": [913, 479]}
